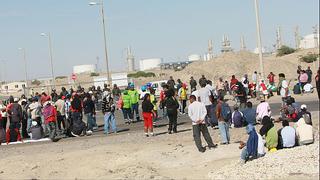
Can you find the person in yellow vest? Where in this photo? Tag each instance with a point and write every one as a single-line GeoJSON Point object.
{"type": "Point", "coordinates": [183, 97]}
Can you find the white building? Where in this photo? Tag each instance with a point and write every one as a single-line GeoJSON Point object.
{"type": "Point", "coordinates": [147, 64]}
{"type": "Point", "coordinates": [309, 41]}
{"type": "Point", "coordinates": [86, 68]}
{"type": "Point", "coordinates": [194, 57]}
{"type": "Point", "coordinates": [121, 79]}
{"type": "Point", "coordinates": [13, 87]}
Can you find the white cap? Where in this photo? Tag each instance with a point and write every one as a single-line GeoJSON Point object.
{"type": "Point", "coordinates": [90, 92]}
{"type": "Point", "coordinates": [34, 123]}
{"type": "Point", "coordinates": [16, 99]}
{"type": "Point", "coordinates": [303, 106]}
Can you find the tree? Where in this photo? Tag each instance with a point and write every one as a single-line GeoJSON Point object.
{"type": "Point", "coordinates": [284, 50]}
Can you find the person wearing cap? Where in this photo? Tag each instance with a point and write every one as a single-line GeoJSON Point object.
{"type": "Point", "coordinates": [305, 114]}
{"type": "Point", "coordinates": [134, 101]}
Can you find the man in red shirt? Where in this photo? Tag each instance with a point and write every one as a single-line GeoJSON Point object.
{"type": "Point", "coordinates": [50, 116]}
{"type": "Point", "coordinates": [271, 78]}
{"type": "Point", "coordinates": [233, 81]}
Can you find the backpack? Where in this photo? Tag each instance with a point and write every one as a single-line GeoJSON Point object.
{"type": "Point", "coordinates": [306, 118]}
{"type": "Point", "coordinates": [296, 89]}
{"type": "Point", "coordinates": [48, 111]}
{"type": "Point", "coordinates": [226, 111]}
{"type": "Point", "coordinates": [237, 119]}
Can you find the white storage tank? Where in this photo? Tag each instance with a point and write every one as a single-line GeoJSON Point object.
{"type": "Point", "coordinates": [194, 57]}
{"type": "Point", "coordinates": [86, 68]}
{"type": "Point", "coordinates": [146, 64]}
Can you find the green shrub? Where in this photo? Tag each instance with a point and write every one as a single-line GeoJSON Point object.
{"type": "Point", "coordinates": [284, 50]}
{"type": "Point", "coordinates": [141, 74]}
{"type": "Point", "coordinates": [35, 82]}
{"type": "Point", "coordinates": [94, 74]}
{"type": "Point", "coordinates": [309, 58]}
{"type": "Point", "coordinates": [61, 77]}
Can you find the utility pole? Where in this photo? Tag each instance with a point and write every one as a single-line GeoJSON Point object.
{"type": "Point", "coordinates": [279, 41]}
{"type": "Point", "coordinates": [242, 44]}
{"type": "Point", "coordinates": [259, 38]}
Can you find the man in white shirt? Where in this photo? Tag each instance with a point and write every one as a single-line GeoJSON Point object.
{"type": "Point", "coordinates": [284, 88]}
{"type": "Point", "coordinates": [197, 113]}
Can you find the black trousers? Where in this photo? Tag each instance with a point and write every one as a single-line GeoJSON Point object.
{"type": "Point", "coordinates": [61, 119]}
{"type": "Point", "coordinates": [24, 128]}
{"type": "Point", "coordinates": [4, 122]}
{"type": "Point", "coordinates": [184, 104]}
{"type": "Point", "coordinates": [172, 115]}
{"type": "Point", "coordinates": [197, 136]}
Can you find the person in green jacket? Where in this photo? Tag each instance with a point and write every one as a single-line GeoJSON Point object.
{"type": "Point", "coordinates": [270, 132]}
{"type": "Point", "coordinates": [134, 95]}
{"type": "Point", "coordinates": [126, 107]}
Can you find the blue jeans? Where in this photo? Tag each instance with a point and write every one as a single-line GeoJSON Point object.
{"type": "Point", "coordinates": [109, 118]}
{"type": "Point", "coordinates": [224, 131]}
{"type": "Point", "coordinates": [244, 154]}
{"type": "Point", "coordinates": [90, 121]}
{"type": "Point", "coordinates": [135, 109]}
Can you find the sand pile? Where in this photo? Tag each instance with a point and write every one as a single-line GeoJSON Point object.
{"type": "Point", "coordinates": [295, 162]}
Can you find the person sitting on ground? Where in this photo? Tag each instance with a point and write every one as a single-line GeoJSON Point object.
{"type": "Point", "coordinates": [197, 113]}
{"type": "Point", "coordinates": [249, 149]}
{"type": "Point", "coordinates": [288, 111]}
{"type": "Point", "coordinates": [147, 110]}
{"type": "Point", "coordinates": [305, 114]}
{"type": "Point", "coordinates": [249, 114]}
{"type": "Point", "coordinates": [237, 117]}
{"type": "Point", "coordinates": [263, 109]}
{"type": "Point", "coordinates": [286, 136]}
{"type": "Point", "coordinates": [269, 131]}
{"type": "Point", "coordinates": [304, 132]}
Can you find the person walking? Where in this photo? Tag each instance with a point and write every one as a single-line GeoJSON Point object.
{"type": "Point", "coordinates": [108, 109]}
{"type": "Point", "coordinates": [172, 106]}
{"type": "Point", "coordinates": [147, 111]}
{"type": "Point", "coordinates": [197, 113]}
{"type": "Point", "coordinates": [223, 113]}
{"type": "Point", "coordinates": [171, 83]}
{"type": "Point", "coordinates": [271, 78]}
{"type": "Point", "coordinates": [126, 107]}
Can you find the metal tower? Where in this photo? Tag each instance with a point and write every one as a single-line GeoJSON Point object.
{"type": "Point", "coordinates": [279, 41]}
{"type": "Point", "coordinates": [297, 37]}
{"type": "Point", "coordinates": [130, 59]}
{"type": "Point", "coordinates": [242, 44]}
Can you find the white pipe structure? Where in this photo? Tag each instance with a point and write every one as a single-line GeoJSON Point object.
{"type": "Point", "coordinates": [104, 38]}
{"type": "Point", "coordinates": [25, 70]}
{"type": "Point", "coordinates": [259, 38]}
{"type": "Point", "coordinates": [51, 59]}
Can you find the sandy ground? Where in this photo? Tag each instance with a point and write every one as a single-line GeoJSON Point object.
{"type": "Point", "coordinates": [126, 155]}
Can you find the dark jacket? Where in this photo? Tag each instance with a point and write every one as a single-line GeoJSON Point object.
{"type": "Point", "coordinates": [15, 112]}
{"type": "Point", "coordinates": [147, 106]}
{"type": "Point", "coordinates": [88, 106]}
{"type": "Point", "coordinates": [171, 103]}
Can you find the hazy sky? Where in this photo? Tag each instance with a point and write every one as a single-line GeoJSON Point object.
{"type": "Point", "coordinates": [169, 29]}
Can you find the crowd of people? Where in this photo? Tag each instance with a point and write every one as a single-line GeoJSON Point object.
{"type": "Point", "coordinates": [63, 114]}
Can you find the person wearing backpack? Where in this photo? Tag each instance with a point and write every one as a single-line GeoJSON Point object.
{"type": "Point", "coordinates": [50, 116]}
{"type": "Point", "coordinates": [237, 117]}
{"type": "Point", "coordinates": [223, 114]}
{"type": "Point", "coordinates": [305, 114]}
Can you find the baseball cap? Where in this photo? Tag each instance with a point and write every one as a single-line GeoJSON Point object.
{"type": "Point", "coordinates": [303, 106]}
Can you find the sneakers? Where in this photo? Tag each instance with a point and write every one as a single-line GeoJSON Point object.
{"type": "Point", "coordinates": [89, 133]}
{"type": "Point", "coordinates": [146, 134]}
{"type": "Point", "coordinates": [95, 128]}
{"type": "Point", "coordinates": [74, 135]}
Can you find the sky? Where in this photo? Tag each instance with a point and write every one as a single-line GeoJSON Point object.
{"type": "Point", "coordinates": [168, 29]}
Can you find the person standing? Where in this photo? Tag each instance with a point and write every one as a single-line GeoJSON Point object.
{"type": "Point", "coordinates": [182, 93]}
{"type": "Point", "coordinates": [60, 104]}
{"type": "Point", "coordinates": [220, 87]}
{"type": "Point", "coordinates": [233, 81]}
{"type": "Point", "coordinates": [284, 88]}
{"type": "Point", "coordinates": [193, 84]}
{"type": "Point", "coordinates": [317, 78]}
{"type": "Point", "coordinates": [154, 102]}
{"type": "Point", "coordinates": [108, 109]}
{"type": "Point", "coordinates": [223, 113]}
{"type": "Point", "coordinates": [134, 95]}
{"type": "Point", "coordinates": [171, 82]}
{"type": "Point", "coordinates": [126, 107]}
{"type": "Point", "coordinates": [78, 126]}
{"type": "Point", "coordinates": [245, 83]}
{"type": "Point", "coordinates": [309, 73]}
{"type": "Point", "coordinates": [172, 106]}
{"type": "Point", "coordinates": [203, 80]}
{"type": "Point", "coordinates": [89, 111]}
{"type": "Point", "coordinates": [3, 113]}
{"type": "Point", "coordinates": [147, 111]}
{"type": "Point", "coordinates": [15, 115]}
{"type": "Point", "coordinates": [116, 92]}
{"type": "Point", "coordinates": [255, 78]}
{"type": "Point", "coordinates": [50, 116]}
{"type": "Point", "coordinates": [240, 94]}
{"type": "Point", "coordinates": [197, 113]}
{"type": "Point", "coordinates": [271, 78]}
